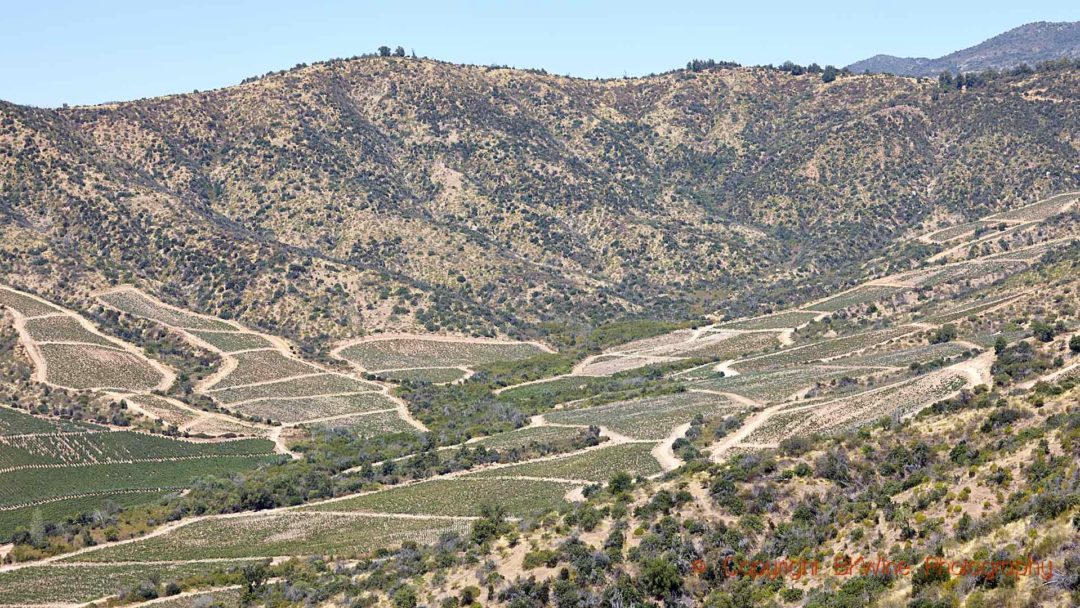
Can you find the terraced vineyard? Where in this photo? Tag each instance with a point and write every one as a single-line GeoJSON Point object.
{"type": "Point", "coordinates": [459, 496]}
{"type": "Point", "coordinates": [526, 436]}
{"type": "Point", "coordinates": [263, 378]}
{"type": "Point", "coordinates": [824, 349]}
{"type": "Point", "coordinates": [231, 341]}
{"type": "Point", "coordinates": [368, 425]}
{"type": "Point", "coordinates": [417, 352]}
{"type": "Point", "coordinates": [310, 386]}
{"type": "Point", "coordinates": [595, 465]}
{"type": "Point", "coordinates": [84, 582]}
{"type": "Point", "coordinates": [782, 320]}
{"type": "Point", "coordinates": [434, 375]}
{"type": "Point", "coordinates": [896, 400]}
{"type": "Point", "coordinates": [26, 304]}
{"type": "Point", "coordinates": [299, 409]}
{"type": "Point", "coordinates": [84, 366]}
{"type": "Point", "coordinates": [652, 418]}
{"type": "Point", "coordinates": [63, 328]}
{"type": "Point", "coordinates": [282, 533]}
{"type": "Point", "coordinates": [139, 304]}
{"type": "Point", "coordinates": [724, 345]}
{"type": "Point", "coordinates": [904, 357]}
{"type": "Point", "coordinates": [860, 295]}
{"type": "Point", "coordinates": [1040, 210]}
{"type": "Point", "coordinates": [264, 366]}
{"type": "Point", "coordinates": [774, 385]}
{"type": "Point", "coordinates": [42, 462]}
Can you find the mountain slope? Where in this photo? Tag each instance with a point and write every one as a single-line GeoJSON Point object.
{"type": "Point", "coordinates": [391, 193]}
{"type": "Point", "coordinates": [1028, 44]}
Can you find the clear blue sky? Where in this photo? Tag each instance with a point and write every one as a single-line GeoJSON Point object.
{"type": "Point", "coordinates": [57, 51]}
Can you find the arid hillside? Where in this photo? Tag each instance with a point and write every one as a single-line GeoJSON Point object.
{"type": "Point", "coordinates": [395, 193]}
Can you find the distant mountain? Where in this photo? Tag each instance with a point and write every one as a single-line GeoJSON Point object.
{"type": "Point", "coordinates": [1030, 44]}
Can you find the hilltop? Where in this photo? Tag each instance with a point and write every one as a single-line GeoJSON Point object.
{"type": "Point", "coordinates": [1028, 44]}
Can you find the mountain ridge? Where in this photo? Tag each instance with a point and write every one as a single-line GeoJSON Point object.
{"type": "Point", "coordinates": [397, 193]}
{"type": "Point", "coordinates": [1027, 44]}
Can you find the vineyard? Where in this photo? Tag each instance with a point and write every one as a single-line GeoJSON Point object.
{"type": "Point", "coordinates": [860, 295]}
{"type": "Point", "coordinates": [824, 349]}
{"type": "Point", "coordinates": [26, 305]}
{"type": "Point", "coordinates": [398, 353]}
{"type": "Point", "coordinates": [264, 366]}
{"type": "Point", "coordinates": [793, 318]}
{"type": "Point", "coordinates": [526, 436]}
{"type": "Point", "coordinates": [298, 409]}
{"type": "Point", "coordinates": [434, 375]}
{"type": "Point", "coordinates": [63, 328]}
{"type": "Point", "coordinates": [595, 465]}
{"type": "Point", "coordinates": [460, 496]}
{"type": "Point", "coordinates": [368, 425]}
{"type": "Point", "coordinates": [322, 384]}
{"type": "Point", "coordinates": [229, 342]}
{"type": "Point", "coordinates": [895, 400]}
{"type": "Point", "coordinates": [134, 302]}
{"type": "Point", "coordinates": [773, 385]}
{"type": "Point", "coordinates": [84, 366]}
{"type": "Point", "coordinates": [281, 534]}
{"type": "Point", "coordinates": [652, 418]}
{"type": "Point", "coordinates": [1038, 211]}
{"type": "Point", "coordinates": [86, 582]}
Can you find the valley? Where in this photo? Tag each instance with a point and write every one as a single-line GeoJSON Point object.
{"type": "Point", "coordinates": [650, 412]}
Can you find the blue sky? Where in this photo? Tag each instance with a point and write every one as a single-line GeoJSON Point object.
{"type": "Point", "coordinates": [59, 51]}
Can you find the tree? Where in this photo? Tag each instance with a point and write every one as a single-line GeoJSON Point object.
{"type": "Point", "coordinates": [660, 576]}
{"type": "Point", "coordinates": [405, 597]}
{"type": "Point", "coordinates": [399, 52]}
{"type": "Point", "coordinates": [829, 74]}
{"type": "Point", "coordinates": [1043, 331]}
{"type": "Point", "coordinates": [1074, 343]}
{"type": "Point", "coordinates": [1000, 345]}
{"type": "Point", "coordinates": [620, 482]}
{"type": "Point", "coordinates": [384, 51]}
{"type": "Point", "coordinates": [946, 333]}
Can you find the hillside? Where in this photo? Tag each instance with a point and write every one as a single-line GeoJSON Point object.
{"type": "Point", "coordinates": [377, 193]}
{"type": "Point", "coordinates": [1028, 44]}
{"type": "Point", "coordinates": [921, 416]}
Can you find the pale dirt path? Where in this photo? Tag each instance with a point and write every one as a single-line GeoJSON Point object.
{"type": "Point", "coordinates": [664, 452]}
{"type": "Point", "coordinates": [977, 369]}
{"type": "Point", "coordinates": [726, 368]}
{"type": "Point", "coordinates": [403, 411]}
{"type": "Point", "coordinates": [280, 446]}
{"type": "Point", "coordinates": [1049, 377]}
